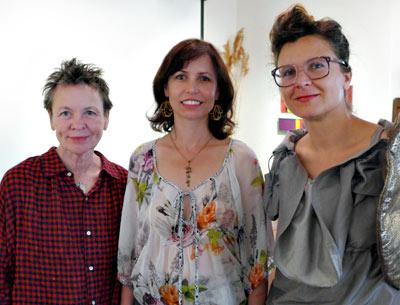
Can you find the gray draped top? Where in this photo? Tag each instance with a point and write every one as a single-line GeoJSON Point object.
{"type": "Point", "coordinates": [326, 244]}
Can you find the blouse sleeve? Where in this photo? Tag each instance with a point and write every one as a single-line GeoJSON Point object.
{"type": "Point", "coordinates": [256, 233]}
{"type": "Point", "coordinates": [134, 228]}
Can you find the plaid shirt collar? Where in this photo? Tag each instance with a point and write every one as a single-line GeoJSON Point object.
{"type": "Point", "coordinates": [52, 164]}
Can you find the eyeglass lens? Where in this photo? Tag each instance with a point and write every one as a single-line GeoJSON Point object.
{"type": "Point", "coordinates": [314, 68]}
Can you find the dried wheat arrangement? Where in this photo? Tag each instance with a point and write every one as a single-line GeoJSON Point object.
{"type": "Point", "coordinates": [236, 58]}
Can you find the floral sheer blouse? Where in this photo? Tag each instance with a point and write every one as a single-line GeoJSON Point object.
{"type": "Point", "coordinates": [217, 255]}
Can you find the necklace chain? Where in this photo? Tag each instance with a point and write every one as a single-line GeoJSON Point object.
{"type": "Point", "coordinates": [188, 167]}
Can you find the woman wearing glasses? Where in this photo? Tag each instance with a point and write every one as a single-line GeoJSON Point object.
{"type": "Point", "coordinates": [325, 182]}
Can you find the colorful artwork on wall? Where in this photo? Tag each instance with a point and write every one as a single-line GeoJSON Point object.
{"type": "Point", "coordinates": [286, 124]}
{"type": "Point", "coordinates": [289, 121]}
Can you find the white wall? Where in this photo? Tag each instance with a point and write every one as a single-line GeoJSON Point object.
{"type": "Point", "coordinates": [394, 27]}
{"type": "Point", "coordinates": [127, 38]}
{"type": "Point", "coordinates": [220, 18]}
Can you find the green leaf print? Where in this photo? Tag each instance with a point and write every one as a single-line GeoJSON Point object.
{"type": "Point", "coordinates": [185, 286]}
{"type": "Point", "coordinates": [189, 290]}
{"type": "Point", "coordinates": [258, 181]}
{"type": "Point", "coordinates": [140, 188]}
{"type": "Point", "coordinates": [156, 178]}
{"type": "Point", "coordinates": [189, 296]}
{"type": "Point", "coordinates": [263, 257]}
{"type": "Point", "coordinates": [214, 235]}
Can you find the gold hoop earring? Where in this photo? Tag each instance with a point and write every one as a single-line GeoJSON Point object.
{"type": "Point", "coordinates": [166, 109]}
{"type": "Point", "coordinates": [216, 113]}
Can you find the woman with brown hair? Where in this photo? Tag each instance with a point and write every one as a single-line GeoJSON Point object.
{"type": "Point", "coordinates": [193, 229]}
{"type": "Point", "coordinates": [325, 181]}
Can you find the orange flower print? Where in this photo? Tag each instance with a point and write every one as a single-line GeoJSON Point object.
{"type": "Point", "coordinates": [206, 216]}
{"type": "Point", "coordinates": [169, 294]}
{"type": "Point", "coordinates": [256, 275]}
{"type": "Point", "coordinates": [216, 248]}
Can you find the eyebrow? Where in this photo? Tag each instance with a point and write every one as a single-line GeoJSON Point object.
{"type": "Point", "coordinates": [86, 108]}
{"type": "Point", "coordinates": [201, 72]}
{"type": "Point", "coordinates": [64, 108]}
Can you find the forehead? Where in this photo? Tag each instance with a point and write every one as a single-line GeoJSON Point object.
{"type": "Point", "coordinates": [202, 63]}
{"type": "Point", "coordinates": [80, 95]}
{"type": "Point", "coordinates": [303, 49]}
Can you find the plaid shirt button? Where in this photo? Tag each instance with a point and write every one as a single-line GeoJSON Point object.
{"type": "Point", "coordinates": [69, 174]}
{"type": "Point", "coordinates": [91, 268]}
{"type": "Point", "coordinates": [93, 302]}
{"type": "Point", "coordinates": [88, 233]}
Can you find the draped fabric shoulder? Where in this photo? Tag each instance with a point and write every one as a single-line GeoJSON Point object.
{"type": "Point", "coordinates": [285, 149]}
{"type": "Point", "coordinates": [326, 227]}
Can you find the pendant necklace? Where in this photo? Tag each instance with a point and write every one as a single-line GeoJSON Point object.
{"type": "Point", "coordinates": [188, 167]}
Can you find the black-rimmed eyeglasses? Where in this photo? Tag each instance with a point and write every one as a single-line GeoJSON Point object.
{"type": "Point", "coordinates": [314, 68]}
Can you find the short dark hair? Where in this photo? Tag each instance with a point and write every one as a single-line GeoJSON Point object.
{"type": "Point", "coordinates": [182, 53]}
{"type": "Point", "coordinates": [73, 72]}
{"type": "Point", "coordinates": [296, 23]}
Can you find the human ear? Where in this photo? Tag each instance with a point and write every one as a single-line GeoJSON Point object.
{"type": "Point", "coordinates": [347, 80]}
{"type": "Point", "coordinates": [51, 120]}
{"type": "Point", "coordinates": [106, 119]}
{"type": "Point", "coordinates": [216, 97]}
{"type": "Point", "coordinates": [166, 90]}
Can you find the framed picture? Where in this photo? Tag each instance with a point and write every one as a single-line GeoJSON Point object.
{"type": "Point", "coordinates": [286, 124]}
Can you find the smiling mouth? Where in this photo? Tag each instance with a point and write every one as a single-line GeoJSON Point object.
{"type": "Point", "coordinates": [191, 102]}
{"type": "Point", "coordinates": [306, 98]}
{"type": "Point", "coordinates": [79, 139]}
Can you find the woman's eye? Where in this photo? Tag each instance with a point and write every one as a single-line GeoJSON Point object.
{"type": "Point", "coordinates": [287, 72]}
{"type": "Point", "coordinates": [316, 66]}
{"type": "Point", "coordinates": [205, 78]}
{"type": "Point", "coordinates": [91, 113]}
{"type": "Point", "coordinates": [180, 76]}
{"type": "Point", "coordinates": [64, 114]}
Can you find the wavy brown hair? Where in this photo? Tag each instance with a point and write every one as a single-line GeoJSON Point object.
{"type": "Point", "coordinates": [179, 56]}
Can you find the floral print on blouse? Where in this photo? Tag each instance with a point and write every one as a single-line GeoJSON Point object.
{"type": "Point", "coordinates": [218, 253]}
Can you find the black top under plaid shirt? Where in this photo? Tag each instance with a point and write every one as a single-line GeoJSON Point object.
{"type": "Point", "coordinates": [58, 245]}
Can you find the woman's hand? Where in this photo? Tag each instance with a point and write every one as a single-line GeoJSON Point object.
{"type": "Point", "coordinates": [126, 296]}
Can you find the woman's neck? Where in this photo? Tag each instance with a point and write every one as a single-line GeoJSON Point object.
{"type": "Point", "coordinates": [81, 165]}
{"type": "Point", "coordinates": [339, 134]}
{"type": "Point", "coordinates": [331, 131]}
{"type": "Point", "coordinates": [190, 135]}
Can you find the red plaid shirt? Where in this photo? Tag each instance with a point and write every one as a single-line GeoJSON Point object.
{"type": "Point", "coordinates": [58, 245]}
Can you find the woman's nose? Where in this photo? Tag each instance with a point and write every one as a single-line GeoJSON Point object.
{"type": "Point", "coordinates": [77, 122]}
{"type": "Point", "coordinates": [302, 79]}
{"type": "Point", "coordinates": [192, 86]}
